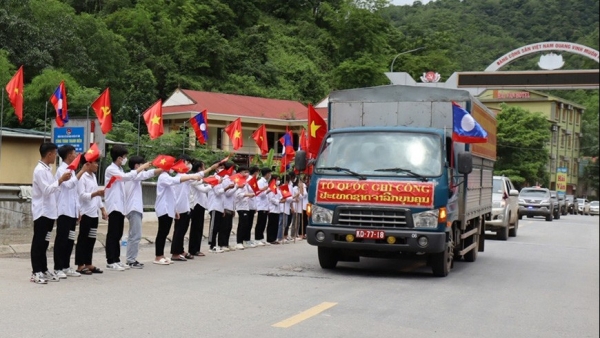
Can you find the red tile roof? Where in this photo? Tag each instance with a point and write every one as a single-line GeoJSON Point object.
{"type": "Point", "coordinates": [240, 105]}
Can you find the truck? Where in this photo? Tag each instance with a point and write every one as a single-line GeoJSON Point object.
{"type": "Point", "coordinates": [389, 181]}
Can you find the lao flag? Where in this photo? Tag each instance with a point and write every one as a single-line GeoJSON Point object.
{"type": "Point", "coordinates": [200, 126]}
{"type": "Point", "coordinates": [59, 101]}
{"type": "Point", "coordinates": [466, 129]}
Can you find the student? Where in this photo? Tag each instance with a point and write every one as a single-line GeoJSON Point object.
{"type": "Point", "coordinates": [274, 212]}
{"type": "Point", "coordinates": [215, 209]}
{"type": "Point", "coordinates": [304, 224]}
{"type": "Point", "coordinates": [68, 211]}
{"type": "Point", "coordinates": [199, 203]}
{"type": "Point", "coordinates": [134, 208]}
{"type": "Point", "coordinates": [182, 208]}
{"type": "Point", "coordinates": [228, 208]}
{"type": "Point", "coordinates": [297, 208]}
{"type": "Point", "coordinates": [284, 208]}
{"type": "Point", "coordinates": [243, 195]}
{"type": "Point", "coordinates": [248, 242]}
{"type": "Point", "coordinates": [262, 207]}
{"type": "Point", "coordinates": [114, 200]}
{"type": "Point", "coordinates": [90, 201]}
{"type": "Point", "coordinates": [289, 178]}
{"type": "Point", "coordinates": [165, 206]}
{"type": "Point", "coordinates": [44, 212]}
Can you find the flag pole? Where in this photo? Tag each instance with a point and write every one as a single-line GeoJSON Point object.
{"type": "Point", "coordinates": [139, 121]}
{"type": "Point", "coordinates": [45, 120]}
{"type": "Point", "coordinates": [89, 127]}
{"type": "Point", "coordinates": [1, 124]}
{"type": "Point", "coordinates": [184, 138]}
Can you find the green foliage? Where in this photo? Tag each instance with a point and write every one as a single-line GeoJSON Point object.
{"type": "Point", "coordinates": [521, 151]}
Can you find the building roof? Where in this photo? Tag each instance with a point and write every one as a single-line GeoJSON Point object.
{"type": "Point", "coordinates": [35, 134]}
{"type": "Point", "coordinates": [184, 100]}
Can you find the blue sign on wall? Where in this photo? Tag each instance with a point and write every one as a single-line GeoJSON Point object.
{"type": "Point", "coordinates": [70, 135]}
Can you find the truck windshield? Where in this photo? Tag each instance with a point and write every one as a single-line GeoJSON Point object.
{"type": "Point", "coordinates": [365, 153]}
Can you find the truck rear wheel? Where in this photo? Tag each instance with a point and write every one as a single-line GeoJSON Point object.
{"type": "Point", "coordinates": [513, 232]}
{"type": "Point", "coordinates": [441, 262]}
{"type": "Point", "coordinates": [328, 258]}
{"type": "Point", "coordinates": [549, 218]}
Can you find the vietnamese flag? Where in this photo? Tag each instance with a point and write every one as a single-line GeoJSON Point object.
{"type": "Point", "coordinates": [238, 179]}
{"type": "Point", "coordinates": [211, 180]}
{"type": "Point", "coordinates": [153, 119]}
{"type": "Point", "coordinates": [234, 131]}
{"type": "Point", "coordinates": [260, 137]}
{"type": "Point", "coordinates": [317, 128]}
{"type": "Point", "coordinates": [75, 163]}
{"type": "Point", "coordinates": [303, 142]}
{"type": "Point", "coordinates": [254, 185]}
{"type": "Point", "coordinates": [285, 191]}
{"type": "Point", "coordinates": [226, 172]}
{"type": "Point", "coordinates": [273, 186]}
{"type": "Point", "coordinates": [112, 180]}
{"type": "Point", "coordinates": [102, 108]}
{"type": "Point", "coordinates": [163, 162]}
{"type": "Point", "coordinates": [92, 154]}
{"type": "Point", "coordinates": [14, 88]}
{"type": "Point", "coordinates": [180, 167]}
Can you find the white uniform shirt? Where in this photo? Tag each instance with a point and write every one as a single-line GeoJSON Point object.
{"type": "Point", "coordinates": [199, 194]}
{"type": "Point", "coordinates": [216, 196]}
{"type": "Point", "coordinates": [134, 200]}
{"type": "Point", "coordinates": [44, 187]}
{"type": "Point", "coordinates": [165, 196]}
{"type": "Point", "coordinates": [67, 199]}
{"type": "Point", "coordinates": [229, 199]}
{"type": "Point", "coordinates": [298, 202]}
{"type": "Point", "coordinates": [87, 185]}
{"type": "Point", "coordinates": [274, 202]}
{"type": "Point", "coordinates": [262, 199]}
{"type": "Point", "coordinates": [114, 197]}
{"type": "Point", "coordinates": [242, 202]}
{"type": "Point", "coordinates": [305, 198]}
{"type": "Point", "coordinates": [182, 196]}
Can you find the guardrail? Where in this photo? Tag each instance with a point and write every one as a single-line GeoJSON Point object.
{"type": "Point", "coordinates": [15, 193]}
{"type": "Point", "coordinates": [149, 194]}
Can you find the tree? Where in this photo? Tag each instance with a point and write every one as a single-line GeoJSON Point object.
{"type": "Point", "coordinates": [521, 151]}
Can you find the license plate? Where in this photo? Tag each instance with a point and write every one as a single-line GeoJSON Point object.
{"type": "Point", "coordinates": [370, 234]}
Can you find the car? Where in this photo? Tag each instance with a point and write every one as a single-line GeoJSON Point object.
{"type": "Point", "coordinates": [583, 206]}
{"type": "Point", "coordinates": [562, 203]}
{"type": "Point", "coordinates": [505, 209]}
{"type": "Point", "coordinates": [594, 208]}
{"type": "Point", "coordinates": [536, 202]}
{"type": "Point", "coordinates": [571, 204]}
{"type": "Point", "coordinates": [556, 204]}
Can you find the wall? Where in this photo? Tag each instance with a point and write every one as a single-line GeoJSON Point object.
{"type": "Point", "coordinates": [19, 158]}
{"type": "Point", "coordinates": [15, 214]}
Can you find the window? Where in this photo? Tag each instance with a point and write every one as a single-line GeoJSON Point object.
{"type": "Point", "coordinates": [554, 138]}
{"type": "Point", "coordinates": [219, 138]}
{"type": "Point", "coordinates": [271, 140]}
{"type": "Point", "coordinates": [571, 116]}
{"type": "Point", "coordinates": [577, 117]}
{"type": "Point", "coordinates": [564, 115]}
{"type": "Point", "coordinates": [569, 141]}
{"type": "Point", "coordinates": [562, 140]}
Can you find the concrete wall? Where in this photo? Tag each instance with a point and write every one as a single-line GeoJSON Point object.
{"type": "Point", "coordinates": [15, 214]}
{"type": "Point", "coordinates": [19, 158]}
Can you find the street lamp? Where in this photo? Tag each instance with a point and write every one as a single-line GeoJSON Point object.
{"type": "Point", "coordinates": [408, 51]}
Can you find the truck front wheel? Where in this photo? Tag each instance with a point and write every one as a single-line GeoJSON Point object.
{"type": "Point", "coordinates": [441, 262]}
{"type": "Point", "coordinates": [328, 258]}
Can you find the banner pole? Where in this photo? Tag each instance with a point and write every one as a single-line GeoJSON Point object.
{"type": "Point", "coordinates": [1, 125]}
{"type": "Point", "coordinates": [45, 120]}
{"type": "Point", "coordinates": [138, 130]}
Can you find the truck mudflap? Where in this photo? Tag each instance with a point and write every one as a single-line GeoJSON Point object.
{"type": "Point", "coordinates": [405, 240]}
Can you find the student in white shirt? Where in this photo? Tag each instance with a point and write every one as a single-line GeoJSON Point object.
{"type": "Point", "coordinates": [90, 202]}
{"type": "Point", "coordinates": [228, 209]}
{"type": "Point", "coordinates": [284, 209]}
{"type": "Point", "coordinates": [304, 206]}
{"type": "Point", "coordinates": [262, 207]}
{"type": "Point", "coordinates": [299, 193]}
{"type": "Point", "coordinates": [134, 208]}
{"type": "Point", "coordinates": [289, 178]}
{"type": "Point", "coordinates": [67, 203]}
{"type": "Point", "coordinates": [114, 200]}
{"type": "Point", "coordinates": [274, 212]}
{"type": "Point", "coordinates": [199, 203]}
{"type": "Point", "coordinates": [165, 207]}
{"type": "Point", "coordinates": [252, 205]}
{"type": "Point", "coordinates": [243, 195]}
{"type": "Point", "coordinates": [182, 208]}
{"type": "Point", "coordinates": [215, 209]}
{"type": "Point", "coordinates": [44, 212]}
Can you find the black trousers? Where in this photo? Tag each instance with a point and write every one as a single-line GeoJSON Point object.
{"type": "Point", "coordinates": [304, 223]}
{"type": "Point", "coordinates": [88, 230]}
{"type": "Point", "coordinates": [272, 226]}
{"type": "Point", "coordinates": [116, 221]}
{"type": "Point", "coordinates": [286, 231]}
{"type": "Point", "coordinates": [261, 225]}
{"type": "Point", "coordinates": [64, 240]}
{"type": "Point", "coordinates": [248, 233]}
{"type": "Point", "coordinates": [216, 222]}
{"type": "Point", "coordinates": [243, 226]}
{"type": "Point", "coordinates": [164, 226]}
{"type": "Point", "coordinates": [226, 226]}
{"type": "Point", "coordinates": [181, 227]}
{"type": "Point", "coordinates": [42, 229]}
{"type": "Point", "coordinates": [196, 228]}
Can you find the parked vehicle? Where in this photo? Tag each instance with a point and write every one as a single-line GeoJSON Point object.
{"type": "Point", "coordinates": [555, 205]}
{"type": "Point", "coordinates": [571, 203]}
{"type": "Point", "coordinates": [562, 204]}
{"type": "Point", "coordinates": [594, 208]}
{"type": "Point", "coordinates": [389, 181]}
{"type": "Point", "coordinates": [536, 202]}
{"type": "Point", "coordinates": [505, 209]}
{"type": "Point", "coordinates": [583, 206]}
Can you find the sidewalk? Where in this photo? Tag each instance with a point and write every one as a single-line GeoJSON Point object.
{"type": "Point", "coordinates": [18, 241]}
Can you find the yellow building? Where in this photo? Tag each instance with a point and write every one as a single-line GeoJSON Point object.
{"type": "Point", "coordinates": [565, 118]}
{"type": "Point", "coordinates": [20, 154]}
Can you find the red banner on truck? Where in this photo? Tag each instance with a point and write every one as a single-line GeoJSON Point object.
{"type": "Point", "coordinates": [388, 193]}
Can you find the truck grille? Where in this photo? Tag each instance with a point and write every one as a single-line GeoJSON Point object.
{"type": "Point", "coordinates": [372, 218]}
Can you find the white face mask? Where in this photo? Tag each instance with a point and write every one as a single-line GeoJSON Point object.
{"type": "Point", "coordinates": [171, 171]}
{"type": "Point", "coordinates": [278, 182]}
{"type": "Point", "coordinates": [189, 166]}
{"type": "Point", "coordinates": [124, 161]}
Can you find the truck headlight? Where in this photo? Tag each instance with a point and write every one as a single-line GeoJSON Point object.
{"type": "Point", "coordinates": [521, 201]}
{"type": "Point", "coordinates": [498, 204]}
{"type": "Point", "coordinates": [426, 219]}
{"type": "Point", "coordinates": [321, 215]}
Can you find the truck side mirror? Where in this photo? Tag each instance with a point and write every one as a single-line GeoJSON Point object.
{"type": "Point", "coordinates": [300, 160]}
{"type": "Point", "coordinates": [513, 192]}
{"type": "Point", "coordinates": [465, 163]}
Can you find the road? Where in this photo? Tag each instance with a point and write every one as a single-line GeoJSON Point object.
{"type": "Point", "coordinates": [544, 283]}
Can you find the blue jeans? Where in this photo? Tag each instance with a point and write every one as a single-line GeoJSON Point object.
{"type": "Point", "coordinates": [283, 217]}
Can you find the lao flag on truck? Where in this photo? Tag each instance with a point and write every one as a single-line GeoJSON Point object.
{"type": "Point", "coordinates": [466, 129]}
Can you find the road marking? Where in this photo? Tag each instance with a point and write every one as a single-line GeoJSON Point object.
{"type": "Point", "coordinates": [313, 311]}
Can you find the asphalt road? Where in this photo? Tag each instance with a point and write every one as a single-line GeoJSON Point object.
{"type": "Point", "coordinates": [544, 283]}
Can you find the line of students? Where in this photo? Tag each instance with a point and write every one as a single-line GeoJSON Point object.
{"type": "Point", "coordinates": [68, 197]}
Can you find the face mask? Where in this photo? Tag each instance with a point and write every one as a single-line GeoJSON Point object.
{"type": "Point", "coordinates": [278, 182]}
{"type": "Point", "coordinates": [189, 166]}
{"type": "Point", "coordinates": [124, 161]}
{"type": "Point", "coordinates": [171, 171]}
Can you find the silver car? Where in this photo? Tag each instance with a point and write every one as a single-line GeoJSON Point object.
{"type": "Point", "coordinates": [594, 208]}
{"type": "Point", "coordinates": [505, 209]}
{"type": "Point", "coordinates": [583, 206]}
